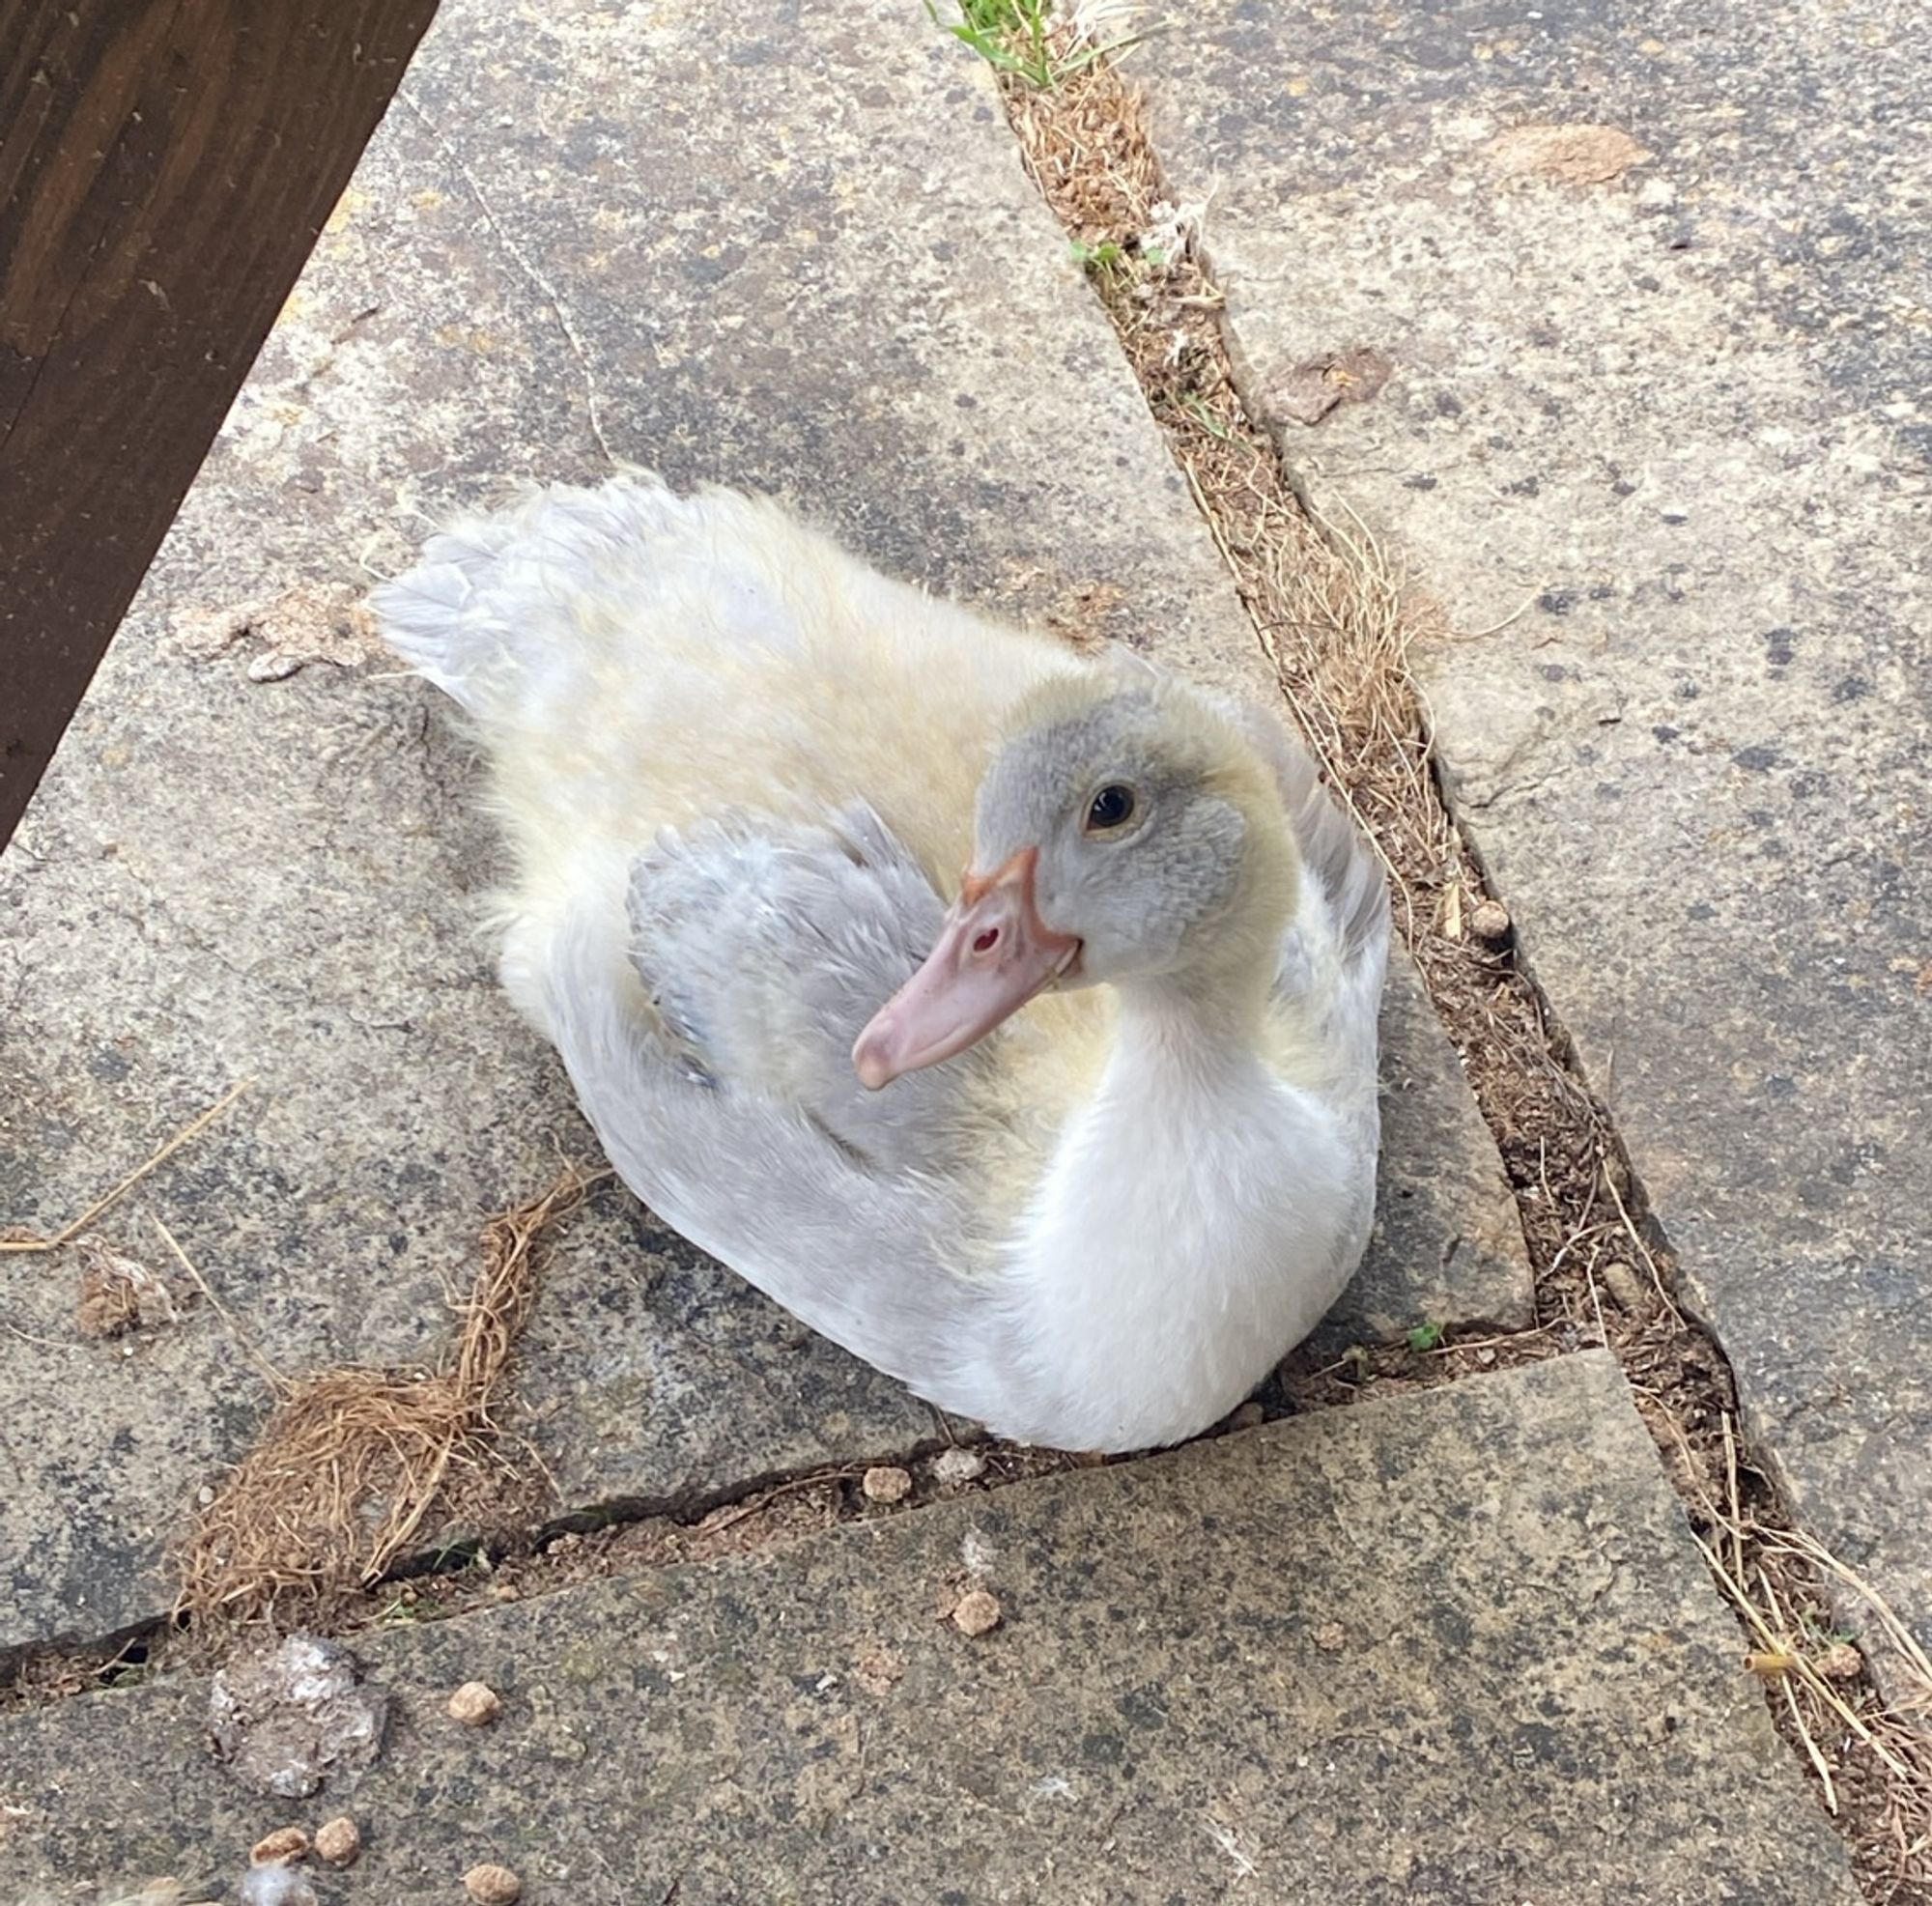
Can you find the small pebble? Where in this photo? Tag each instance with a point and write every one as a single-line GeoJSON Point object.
{"type": "Point", "coordinates": [1331, 1638]}
{"type": "Point", "coordinates": [887, 1483]}
{"type": "Point", "coordinates": [1247, 1415]}
{"type": "Point", "coordinates": [474, 1704]}
{"type": "Point", "coordinates": [1841, 1662]}
{"type": "Point", "coordinates": [1488, 920]}
{"type": "Point", "coordinates": [204, 1496]}
{"type": "Point", "coordinates": [1626, 1290]}
{"type": "Point", "coordinates": [976, 1613]}
{"type": "Point", "coordinates": [338, 1841]}
{"type": "Point", "coordinates": [491, 1885]}
{"type": "Point", "coordinates": [952, 1467]}
{"type": "Point", "coordinates": [279, 1848]}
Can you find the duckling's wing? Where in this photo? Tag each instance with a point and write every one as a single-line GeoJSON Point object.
{"type": "Point", "coordinates": [1334, 955]}
{"type": "Point", "coordinates": [727, 1108]}
{"type": "Point", "coordinates": [766, 947]}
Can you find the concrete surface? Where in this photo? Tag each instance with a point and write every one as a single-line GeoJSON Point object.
{"type": "Point", "coordinates": [1659, 420]}
{"type": "Point", "coordinates": [1456, 1648]}
{"type": "Point", "coordinates": [850, 295]}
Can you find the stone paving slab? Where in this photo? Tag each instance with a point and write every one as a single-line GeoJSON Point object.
{"type": "Point", "coordinates": [793, 252]}
{"type": "Point", "coordinates": [1665, 435]}
{"type": "Point", "coordinates": [1455, 1648]}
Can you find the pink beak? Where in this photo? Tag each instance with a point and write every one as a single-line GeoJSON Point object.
{"type": "Point", "coordinates": [994, 954]}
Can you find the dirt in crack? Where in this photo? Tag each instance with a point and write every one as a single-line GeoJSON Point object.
{"type": "Point", "coordinates": [1333, 614]}
{"type": "Point", "coordinates": [522, 1557]}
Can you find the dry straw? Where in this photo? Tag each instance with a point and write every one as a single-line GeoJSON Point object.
{"type": "Point", "coordinates": [68, 1233]}
{"type": "Point", "coordinates": [342, 1482]}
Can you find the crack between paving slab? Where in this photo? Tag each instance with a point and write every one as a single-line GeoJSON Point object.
{"type": "Point", "coordinates": [1337, 621]}
{"type": "Point", "coordinates": [521, 259]}
{"type": "Point", "coordinates": [472, 1570]}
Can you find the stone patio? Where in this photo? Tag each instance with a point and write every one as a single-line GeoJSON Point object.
{"type": "Point", "coordinates": [1453, 1648]}
{"type": "Point", "coordinates": [235, 871]}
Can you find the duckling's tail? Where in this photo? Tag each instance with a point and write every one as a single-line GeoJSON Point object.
{"type": "Point", "coordinates": [482, 616]}
{"type": "Point", "coordinates": [428, 616]}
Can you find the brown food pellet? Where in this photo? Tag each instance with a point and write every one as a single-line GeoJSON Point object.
{"type": "Point", "coordinates": [338, 1841]}
{"type": "Point", "coordinates": [281, 1848]}
{"type": "Point", "coordinates": [976, 1613]}
{"type": "Point", "coordinates": [1488, 920]}
{"type": "Point", "coordinates": [474, 1704]}
{"type": "Point", "coordinates": [491, 1885]}
{"type": "Point", "coordinates": [886, 1484]}
{"type": "Point", "coordinates": [1842, 1663]}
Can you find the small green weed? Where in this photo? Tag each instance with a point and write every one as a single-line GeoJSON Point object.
{"type": "Point", "coordinates": [1103, 256]}
{"type": "Point", "coordinates": [1106, 258]}
{"type": "Point", "coordinates": [1425, 1337]}
{"type": "Point", "coordinates": [1012, 37]}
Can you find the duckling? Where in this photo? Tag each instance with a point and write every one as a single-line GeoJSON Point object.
{"type": "Point", "coordinates": [1007, 1014]}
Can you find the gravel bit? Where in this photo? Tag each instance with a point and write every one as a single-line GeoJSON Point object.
{"type": "Point", "coordinates": [951, 1469]}
{"type": "Point", "coordinates": [1626, 1288]}
{"type": "Point", "coordinates": [282, 1721]}
{"type": "Point", "coordinates": [887, 1483]}
{"type": "Point", "coordinates": [474, 1704]}
{"type": "Point", "coordinates": [976, 1613]}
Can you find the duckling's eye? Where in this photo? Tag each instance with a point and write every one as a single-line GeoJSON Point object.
{"type": "Point", "coordinates": [1113, 807]}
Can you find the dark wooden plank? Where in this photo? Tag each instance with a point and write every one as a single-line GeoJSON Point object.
{"type": "Point", "coordinates": [165, 167]}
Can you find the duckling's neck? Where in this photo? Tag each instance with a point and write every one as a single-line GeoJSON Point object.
{"type": "Point", "coordinates": [1194, 1024]}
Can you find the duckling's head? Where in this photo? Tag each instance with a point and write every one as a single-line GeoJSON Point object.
{"type": "Point", "coordinates": [1126, 832]}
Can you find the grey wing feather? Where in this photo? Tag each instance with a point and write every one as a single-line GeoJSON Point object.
{"type": "Point", "coordinates": [765, 950]}
{"type": "Point", "coordinates": [758, 1186]}
{"type": "Point", "coordinates": [773, 1160]}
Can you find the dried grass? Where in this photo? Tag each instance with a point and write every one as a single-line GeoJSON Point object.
{"type": "Point", "coordinates": [19, 1239]}
{"type": "Point", "coordinates": [343, 1480]}
{"type": "Point", "coordinates": [1336, 618]}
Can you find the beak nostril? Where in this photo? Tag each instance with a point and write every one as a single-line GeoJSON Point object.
{"type": "Point", "coordinates": [987, 940]}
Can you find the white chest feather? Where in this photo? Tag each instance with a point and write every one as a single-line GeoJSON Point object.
{"type": "Point", "coordinates": [1198, 1218]}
